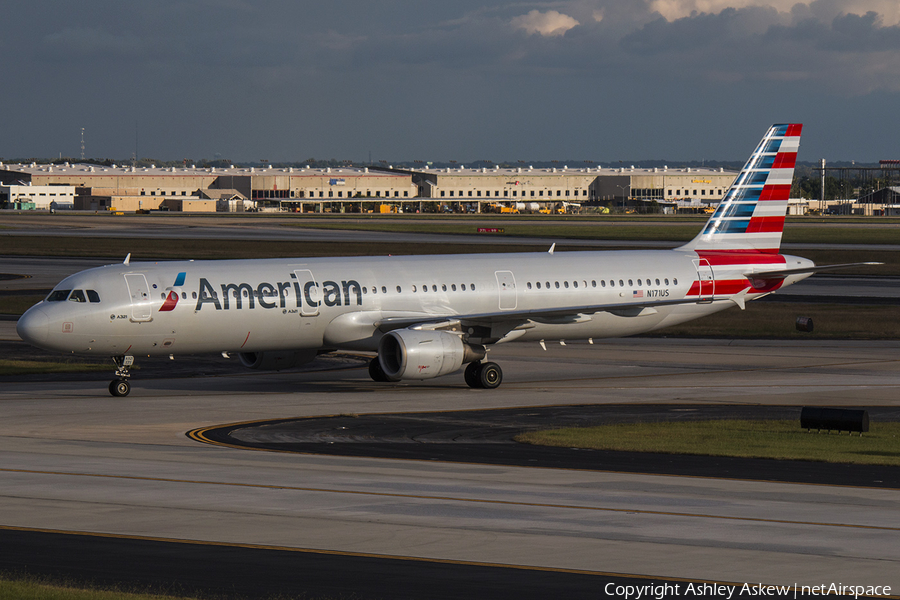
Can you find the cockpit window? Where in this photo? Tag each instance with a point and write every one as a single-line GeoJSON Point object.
{"type": "Point", "coordinates": [58, 295]}
{"type": "Point", "coordinates": [93, 296]}
{"type": "Point", "coordinates": [77, 296]}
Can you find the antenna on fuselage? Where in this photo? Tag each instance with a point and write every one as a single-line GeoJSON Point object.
{"type": "Point", "coordinates": [552, 248]}
{"type": "Point", "coordinates": [127, 259]}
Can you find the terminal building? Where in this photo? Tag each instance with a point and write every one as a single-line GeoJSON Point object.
{"type": "Point", "coordinates": [356, 189]}
{"type": "Point", "coordinates": [527, 185]}
{"type": "Point", "coordinates": [128, 188]}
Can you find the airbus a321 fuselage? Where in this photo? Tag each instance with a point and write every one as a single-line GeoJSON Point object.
{"type": "Point", "coordinates": [427, 316]}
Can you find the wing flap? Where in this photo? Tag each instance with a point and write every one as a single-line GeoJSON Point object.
{"type": "Point", "coordinates": [568, 314]}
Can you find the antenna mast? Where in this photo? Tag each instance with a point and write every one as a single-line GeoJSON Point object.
{"type": "Point", "coordinates": [82, 144]}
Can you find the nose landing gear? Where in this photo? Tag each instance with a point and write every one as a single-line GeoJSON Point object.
{"type": "Point", "coordinates": [120, 387]}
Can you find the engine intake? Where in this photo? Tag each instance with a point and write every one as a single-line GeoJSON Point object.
{"type": "Point", "coordinates": [276, 361]}
{"type": "Point", "coordinates": [423, 354]}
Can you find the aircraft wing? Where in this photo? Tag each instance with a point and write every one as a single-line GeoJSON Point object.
{"type": "Point", "coordinates": [559, 315]}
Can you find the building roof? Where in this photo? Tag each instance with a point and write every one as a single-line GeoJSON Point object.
{"type": "Point", "coordinates": [565, 170]}
{"type": "Point", "coordinates": [192, 171]}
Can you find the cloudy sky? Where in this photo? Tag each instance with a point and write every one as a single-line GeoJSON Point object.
{"type": "Point", "coordinates": [285, 80]}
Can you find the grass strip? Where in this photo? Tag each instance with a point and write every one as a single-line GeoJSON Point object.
{"type": "Point", "coordinates": [209, 249]}
{"type": "Point", "coordinates": [782, 440]}
{"type": "Point", "coordinates": [648, 231]}
{"type": "Point", "coordinates": [776, 320]}
{"type": "Point", "coordinates": [16, 305]}
{"type": "Point", "coordinates": [32, 367]}
{"type": "Point", "coordinates": [27, 588]}
{"type": "Point", "coordinates": [645, 232]}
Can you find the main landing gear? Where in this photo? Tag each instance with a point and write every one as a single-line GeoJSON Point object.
{"type": "Point", "coordinates": [120, 387]}
{"type": "Point", "coordinates": [486, 375]}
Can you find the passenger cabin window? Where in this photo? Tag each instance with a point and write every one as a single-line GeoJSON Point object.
{"type": "Point", "coordinates": [58, 295]}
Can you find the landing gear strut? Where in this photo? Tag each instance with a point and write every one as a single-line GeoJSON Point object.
{"type": "Point", "coordinates": [120, 387]}
{"type": "Point", "coordinates": [486, 375]}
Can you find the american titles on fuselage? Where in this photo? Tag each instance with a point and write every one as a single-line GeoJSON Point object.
{"type": "Point", "coordinates": [270, 295]}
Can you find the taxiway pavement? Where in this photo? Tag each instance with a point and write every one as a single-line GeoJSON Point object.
{"type": "Point", "coordinates": [75, 459]}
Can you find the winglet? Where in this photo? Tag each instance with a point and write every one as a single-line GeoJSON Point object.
{"type": "Point", "coordinates": [127, 259]}
{"type": "Point", "coordinates": [553, 247]}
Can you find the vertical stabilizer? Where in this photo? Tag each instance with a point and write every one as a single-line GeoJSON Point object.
{"type": "Point", "coordinates": [751, 215]}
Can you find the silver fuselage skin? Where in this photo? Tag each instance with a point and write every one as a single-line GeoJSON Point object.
{"type": "Point", "coordinates": [191, 307]}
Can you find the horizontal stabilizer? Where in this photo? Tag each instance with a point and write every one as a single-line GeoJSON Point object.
{"type": "Point", "coordinates": [781, 274]}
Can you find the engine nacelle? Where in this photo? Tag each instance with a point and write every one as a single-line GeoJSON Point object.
{"type": "Point", "coordinates": [276, 361]}
{"type": "Point", "coordinates": [423, 354]}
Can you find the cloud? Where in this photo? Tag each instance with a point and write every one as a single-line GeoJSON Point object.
{"type": "Point", "coordinates": [829, 51]}
{"type": "Point", "coordinates": [824, 10]}
{"type": "Point", "coordinates": [548, 24]}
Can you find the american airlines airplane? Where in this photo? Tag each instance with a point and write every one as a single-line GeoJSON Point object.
{"type": "Point", "coordinates": [427, 316]}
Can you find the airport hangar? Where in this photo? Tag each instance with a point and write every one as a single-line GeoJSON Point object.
{"type": "Point", "coordinates": [356, 189]}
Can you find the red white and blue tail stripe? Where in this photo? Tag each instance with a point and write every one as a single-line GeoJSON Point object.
{"type": "Point", "coordinates": [751, 215]}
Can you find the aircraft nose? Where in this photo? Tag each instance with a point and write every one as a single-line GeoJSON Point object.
{"type": "Point", "coordinates": [34, 326]}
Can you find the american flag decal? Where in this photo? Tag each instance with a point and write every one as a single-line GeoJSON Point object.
{"type": "Point", "coordinates": [637, 294]}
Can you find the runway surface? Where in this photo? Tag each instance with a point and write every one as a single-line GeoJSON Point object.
{"type": "Point", "coordinates": [77, 460]}
{"type": "Point", "coordinates": [488, 437]}
{"type": "Point", "coordinates": [112, 490]}
{"type": "Point", "coordinates": [290, 228]}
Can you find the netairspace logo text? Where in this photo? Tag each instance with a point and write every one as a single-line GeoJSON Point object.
{"type": "Point", "coordinates": [747, 590]}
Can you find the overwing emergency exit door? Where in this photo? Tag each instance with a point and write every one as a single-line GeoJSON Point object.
{"type": "Point", "coordinates": [506, 286]}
